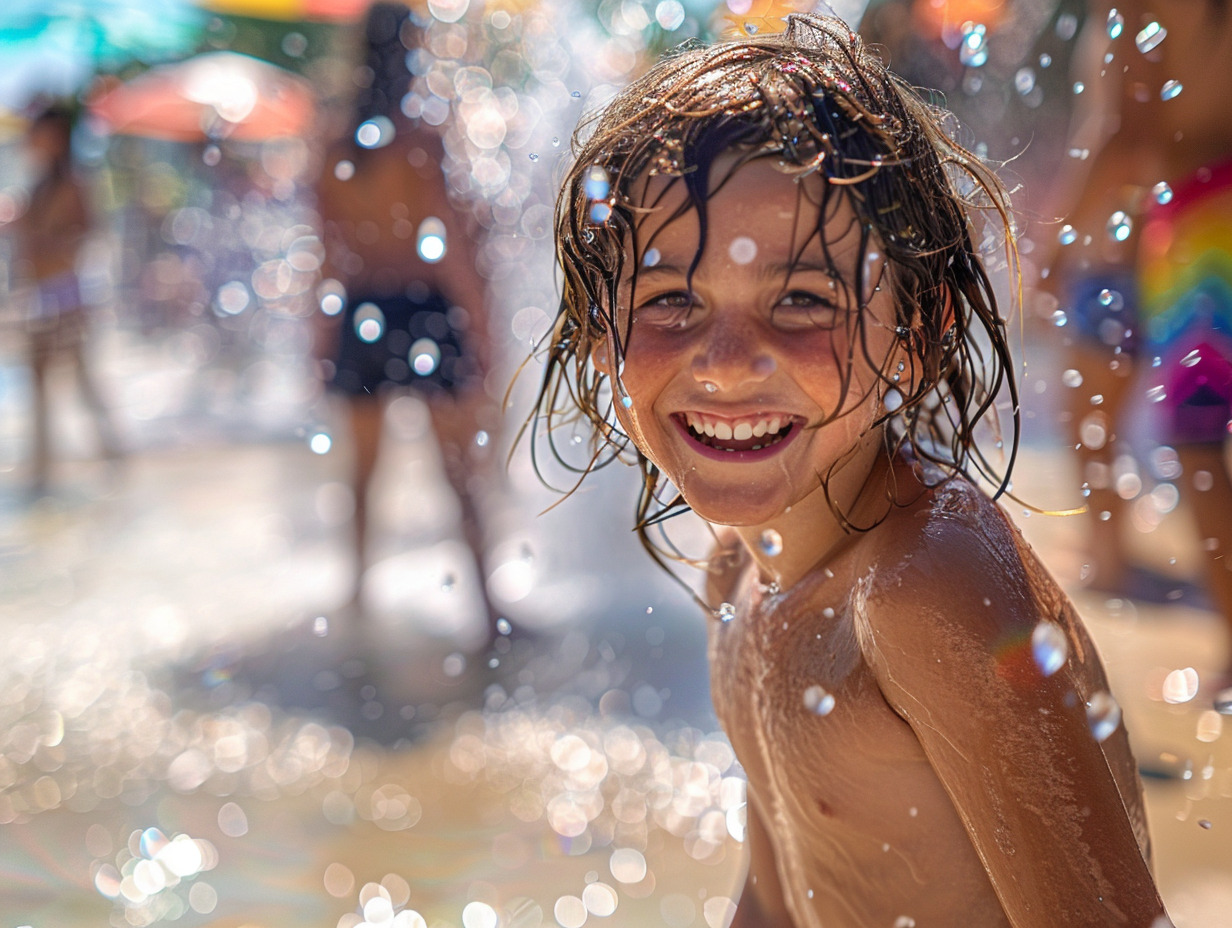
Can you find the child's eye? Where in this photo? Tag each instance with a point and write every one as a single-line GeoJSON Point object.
{"type": "Point", "coordinates": [669, 310]}
{"type": "Point", "coordinates": [802, 309]}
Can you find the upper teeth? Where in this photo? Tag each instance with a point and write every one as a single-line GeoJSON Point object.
{"type": "Point", "coordinates": [737, 429]}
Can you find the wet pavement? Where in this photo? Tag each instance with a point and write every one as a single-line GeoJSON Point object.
{"type": "Point", "coordinates": [196, 728]}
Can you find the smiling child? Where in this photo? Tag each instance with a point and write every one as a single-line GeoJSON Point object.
{"type": "Point", "coordinates": [772, 301]}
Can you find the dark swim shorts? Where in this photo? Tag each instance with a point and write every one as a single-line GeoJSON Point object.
{"type": "Point", "coordinates": [413, 339]}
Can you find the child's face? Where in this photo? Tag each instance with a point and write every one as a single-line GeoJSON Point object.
{"type": "Point", "coordinates": [735, 381]}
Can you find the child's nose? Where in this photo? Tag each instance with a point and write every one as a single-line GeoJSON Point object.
{"type": "Point", "coordinates": [732, 357]}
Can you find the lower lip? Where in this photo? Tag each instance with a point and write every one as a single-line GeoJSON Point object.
{"type": "Point", "coordinates": [738, 457]}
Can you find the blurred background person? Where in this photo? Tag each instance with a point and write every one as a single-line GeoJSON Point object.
{"type": "Point", "coordinates": [47, 242]}
{"type": "Point", "coordinates": [1142, 275]}
{"type": "Point", "coordinates": [410, 305]}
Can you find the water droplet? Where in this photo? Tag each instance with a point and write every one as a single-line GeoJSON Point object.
{"type": "Point", "coordinates": [626, 402]}
{"type": "Point", "coordinates": [430, 240]}
{"type": "Point", "coordinates": [1157, 394]}
{"type": "Point", "coordinates": [1170, 89]}
{"type": "Point", "coordinates": [817, 700]}
{"type": "Point", "coordinates": [1150, 36]}
{"type": "Point", "coordinates": [320, 626]}
{"type": "Point", "coordinates": [1162, 193]}
{"type": "Point", "coordinates": [727, 612]}
{"type": "Point", "coordinates": [771, 543]}
{"type": "Point", "coordinates": [742, 249]}
{"type": "Point", "coordinates": [893, 400]}
{"type": "Point", "coordinates": [1106, 297]}
{"type": "Point", "coordinates": [534, 156]}
{"type": "Point", "coordinates": [1059, 318]}
{"type": "Point", "coordinates": [1120, 226]}
{"type": "Point", "coordinates": [1103, 715]}
{"type": "Point", "coordinates": [651, 258]}
{"type": "Point", "coordinates": [1045, 60]}
{"type": "Point", "coordinates": [1116, 23]}
{"type": "Point", "coordinates": [597, 183]}
{"type": "Point", "coordinates": [1072, 378]}
{"type": "Point", "coordinates": [974, 51]}
{"type": "Point", "coordinates": [425, 355]}
{"type": "Point", "coordinates": [1204, 823]}
{"type": "Point", "coordinates": [1180, 686]}
{"type": "Point", "coordinates": [555, 141]}
{"type": "Point", "coordinates": [751, 28]}
{"type": "Point", "coordinates": [320, 443]}
{"type": "Point", "coordinates": [504, 626]}
{"type": "Point", "coordinates": [1079, 87]}
{"type": "Point", "coordinates": [576, 94]}
{"type": "Point", "coordinates": [211, 155]}
{"type": "Point", "coordinates": [710, 387]}
{"type": "Point", "coordinates": [344, 170]}
{"type": "Point", "coordinates": [1192, 359]}
{"type": "Point", "coordinates": [448, 582]}
{"type": "Point", "coordinates": [1024, 80]}
{"type": "Point", "coordinates": [600, 212]}
{"type": "Point", "coordinates": [1049, 647]}
{"type": "Point", "coordinates": [1068, 235]}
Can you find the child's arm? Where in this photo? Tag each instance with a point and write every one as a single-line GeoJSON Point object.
{"type": "Point", "coordinates": [761, 901]}
{"type": "Point", "coordinates": [949, 640]}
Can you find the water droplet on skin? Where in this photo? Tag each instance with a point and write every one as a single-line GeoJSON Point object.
{"type": "Point", "coordinates": [1170, 89]}
{"type": "Point", "coordinates": [893, 400]}
{"type": "Point", "coordinates": [751, 28]}
{"type": "Point", "coordinates": [1049, 647]}
{"type": "Point", "coordinates": [726, 612]}
{"type": "Point", "coordinates": [1059, 318]}
{"type": "Point", "coordinates": [600, 212]}
{"type": "Point", "coordinates": [651, 258]}
{"type": "Point", "coordinates": [1045, 60]}
{"type": "Point", "coordinates": [742, 249]}
{"type": "Point", "coordinates": [1068, 235]}
{"type": "Point", "coordinates": [771, 543]}
{"type": "Point", "coordinates": [626, 402]}
{"type": "Point", "coordinates": [1103, 715]}
{"type": "Point", "coordinates": [1071, 378]}
{"type": "Point", "coordinates": [576, 94]}
{"type": "Point", "coordinates": [1106, 297]}
{"type": "Point", "coordinates": [534, 156]}
{"type": "Point", "coordinates": [1204, 823]}
{"type": "Point", "coordinates": [818, 701]}
{"type": "Point", "coordinates": [1079, 87]}
{"type": "Point", "coordinates": [1162, 193]}
{"type": "Point", "coordinates": [1150, 36]}
{"type": "Point", "coordinates": [710, 387]}
{"type": "Point", "coordinates": [1120, 226]}
{"type": "Point", "coordinates": [1116, 23]}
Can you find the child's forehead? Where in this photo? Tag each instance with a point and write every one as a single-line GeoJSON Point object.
{"type": "Point", "coordinates": [758, 200]}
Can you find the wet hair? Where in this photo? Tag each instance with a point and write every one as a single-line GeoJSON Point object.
{"type": "Point", "coordinates": [815, 100]}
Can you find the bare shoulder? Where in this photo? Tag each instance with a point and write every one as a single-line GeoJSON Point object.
{"type": "Point", "coordinates": [953, 559]}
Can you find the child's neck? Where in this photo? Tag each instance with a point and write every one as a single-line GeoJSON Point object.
{"type": "Point", "coordinates": [810, 534]}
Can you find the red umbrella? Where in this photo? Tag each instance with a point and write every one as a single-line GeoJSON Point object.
{"type": "Point", "coordinates": [218, 95]}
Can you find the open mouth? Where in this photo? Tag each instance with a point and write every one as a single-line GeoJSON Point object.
{"type": "Point", "coordinates": [753, 433]}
